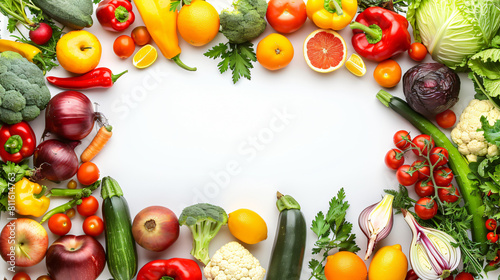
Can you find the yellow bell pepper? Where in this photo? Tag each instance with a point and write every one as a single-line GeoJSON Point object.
{"type": "Point", "coordinates": [161, 23]}
{"type": "Point", "coordinates": [26, 50]}
{"type": "Point", "coordinates": [30, 198]}
{"type": "Point", "coordinates": [331, 14]}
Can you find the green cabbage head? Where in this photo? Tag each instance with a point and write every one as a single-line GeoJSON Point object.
{"type": "Point", "coordinates": [454, 30]}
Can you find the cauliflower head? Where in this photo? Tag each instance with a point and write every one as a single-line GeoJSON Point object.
{"type": "Point", "coordinates": [233, 261]}
{"type": "Point", "coordinates": [23, 92]}
{"type": "Point", "coordinates": [470, 142]}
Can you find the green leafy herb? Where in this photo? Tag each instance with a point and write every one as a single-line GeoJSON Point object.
{"type": "Point", "coordinates": [401, 199]}
{"type": "Point", "coordinates": [177, 4]}
{"type": "Point", "coordinates": [96, 1]}
{"type": "Point", "coordinates": [393, 5]}
{"type": "Point", "coordinates": [491, 132]}
{"type": "Point", "coordinates": [333, 232]}
{"type": "Point", "coordinates": [237, 57]}
{"type": "Point", "coordinates": [10, 173]}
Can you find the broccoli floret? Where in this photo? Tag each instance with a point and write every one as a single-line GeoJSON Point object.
{"type": "Point", "coordinates": [204, 220]}
{"type": "Point", "coordinates": [244, 21]}
{"type": "Point", "coordinates": [23, 92]}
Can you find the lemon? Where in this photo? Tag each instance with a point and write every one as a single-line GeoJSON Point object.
{"type": "Point", "coordinates": [145, 57]}
{"type": "Point", "coordinates": [247, 226]}
{"type": "Point", "coordinates": [356, 65]}
{"type": "Point", "coordinates": [389, 263]}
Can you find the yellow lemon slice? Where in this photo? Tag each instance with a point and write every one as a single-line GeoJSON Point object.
{"type": "Point", "coordinates": [145, 57]}
{"type": "Point", "coordinates": [356, 65]}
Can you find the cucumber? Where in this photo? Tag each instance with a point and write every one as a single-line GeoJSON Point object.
{"type": "Point", "coordinates": [290, 241]}
{"type": "Point", "coordinates": [121, 252]}
{"type": "Point", "coordinates": [75, 14]}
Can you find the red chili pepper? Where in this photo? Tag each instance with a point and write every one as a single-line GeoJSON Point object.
{"type": "Point", "coordinates": [115, 15]}
{"type": "Point", "coordinates": [176, 268]}
{"type": "Point", "coordinates": [17, 142]}
{"type": "Point", "coordinates": [98, 78]}
{"type": "Point", "coordinates": [380, 34]}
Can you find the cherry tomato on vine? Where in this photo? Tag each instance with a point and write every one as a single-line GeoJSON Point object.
{"type": "Point", "coordinates": [140, 35]}
{"type": "Point", "coordinates": [406, 175]}
{"type": "Point", "coordinates": [424, 188]}
{"type": "Point", "coordinates": [21, 276]}
{"type": "Point", "coordinates": [464, 276]}
{"type": "Point", "coordinates": [417, 51]}
{"type": "Point", "coordinates": [387, 73]}
{"type": "Point", "coordinates": [492, 237]}
{"type": "Point", "coordinates": [93, 226]}
{"type": "Point", "coordinates": [443, 176]}
{"type": "Point", "coordinates": [448, 194]}
{"type": "Point", "coordinates": [286, 16]}
{"type": "Point", "coordinates": [60, 224]}
{"type": "Point", "coordinates": [423, 169]}
{"type": "Point", "coordinates": [491, 224]}
{"type": "Point", "coordinates": [124, 46]}
{"type": "Point", "coordinates": [421, 144]}
{"type": "Point", "coordinates": [88, 207]}
{"type": "Point", "coordinates": [446, 119]}
{"type": "Point", "coordinates": [426, 208]}
{"type": "Point", "coordinates": [394, 159]}
{"type": "Point", "coordinates": [402, 139]}
{"type": "Point", "coordinates": [88, 173]}
{"type": "Point", "coordinates": [438, 156]}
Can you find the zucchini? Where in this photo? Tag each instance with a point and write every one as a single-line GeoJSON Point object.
{"type": "Point", "coordinates": [75, 14]}
{"type": "Point", "coordinates": [290, 241]}
{"type": "Point", "coordinates": [457, 163]}
{"type": "Point", "coordinates": [121, 252]}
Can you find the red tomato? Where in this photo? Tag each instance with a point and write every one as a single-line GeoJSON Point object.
{"type": "Point", "coordinates": [443, 176]}
{"type": "Point", "coordinates": [407, 175]}
{"type": "Point", "coordinates": [21, 276]}
{"type": "Point", "coordinates": [402, 139]}
{"type": "Point", "coordinates": [60, 224]}
{"type": "Point", "coordinates": [44, 277]}
{"type": "Point", "coordinates": [71, 213]}
{"type": "Point", "coordinates": [449, 194]}
{"type": "Point", "coordinates": [424, 188]}
{"type": "Point", "coordinates": [446, 119]}
{"type": "Point", "coordinates": [93, 226]}
{"type": "Point", "coordinates": [492, 236]}
{"type": "Point", "coordinates": [438, 156]}
{"type": "Point", "coordinates": [88, 173]}
{"type": "Point", "coordinates": [426, 208]}
{"type": "Point", "coordinates": [88, 207]}
{"type": "Point", "coordinates": [140, 35]}
{"type": "Point", "coordinates": [394, 159]}
{"type": "Point", "coordinates": [286, 16]}
{"type": "Point", "coordinates": [464, 276]}
{"type": "Point", "coordinates": [124, 46]}
{"type": "Point", "coordinates": [491, 224]}
{"type": "Point", "coordinates": [417, 51]}
{"type": "Point", "coordinates": [424, 171]}
{"type": "Point", "coordinates": [421, 144]}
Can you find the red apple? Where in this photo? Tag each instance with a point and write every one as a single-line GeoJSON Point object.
{"type": "Point", "coordinates": [75, 257]}
{"type": "Point", "coordinates": [155, 228]}
{"type": "Point", "coordinates": [23, 242]}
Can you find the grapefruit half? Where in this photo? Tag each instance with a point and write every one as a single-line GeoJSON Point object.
{"type": "Point", "coordinates": [325, 51]}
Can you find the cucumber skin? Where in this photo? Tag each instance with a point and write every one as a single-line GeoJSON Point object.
{"type": "Point", "coordinates": [75, 14]}
{"type": "Point", "coordinates": [289, 246]}
{"type": "Point", "coordinates": [121, 252]}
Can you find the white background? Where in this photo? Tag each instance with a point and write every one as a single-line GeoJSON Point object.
{"type": "Point", "coordinates": [176, 131]}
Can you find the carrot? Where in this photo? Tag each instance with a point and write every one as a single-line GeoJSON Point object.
{"type": "Point", "coordinates": [100, 139]}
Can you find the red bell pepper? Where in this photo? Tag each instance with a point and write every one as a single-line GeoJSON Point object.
{"type": "Point", "coordinates": [115, 15]}
{"type": "Point", "coordinates": [98, 78]}
{"type": "Point", "coordinates": [380, 34]}
{"type": "Point", "coordinates": [176, 268]}
{"type": "Point", "coordinates": [17, 142]}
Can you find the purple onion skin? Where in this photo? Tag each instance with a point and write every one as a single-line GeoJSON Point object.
{"type": "Point", "coordinates": [70, 115]}
{"type": "Point", "coordinates": [55, 160]}
{"type": "Point", "coordinates": [431, 88]}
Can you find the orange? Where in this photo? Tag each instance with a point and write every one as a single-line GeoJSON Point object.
{"type": "Point", "coordinates": [274, 52]}
{"type": "Point", "coordinates": [247, 226]}
{"type": "Point", "coordinates": [145, 57]}
{"type": "Point", "coordinates": [345, 265]}
{"type": "Point", "coordinates": [389, 263]}
{"type": "Point", "coordinates": [387, 73]}
{"type": "Point", "coordinates": [78, 51]}
{"type": "Point", "coordinates": [356, 65]}
{"type": "Point", "coordinates": [198, 23]}
{"type": "Point", "coordinates": [325, 50]}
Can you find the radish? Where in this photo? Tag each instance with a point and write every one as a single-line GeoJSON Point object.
{"type": "Point", "coordinates": [41, 34]}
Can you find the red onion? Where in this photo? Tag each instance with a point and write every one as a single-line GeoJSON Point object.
{"type": "Point", "coordinates": [70, 115]}
{"type": "Point", "coordinates": [55, 160]}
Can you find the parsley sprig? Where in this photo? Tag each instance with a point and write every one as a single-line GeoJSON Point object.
{"type": "Point", "coordinates": [237, 57]}
{"type": "Point", "coordinates": [10, 173]}
{"type": "Point", "coordinates": [333, 232]}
